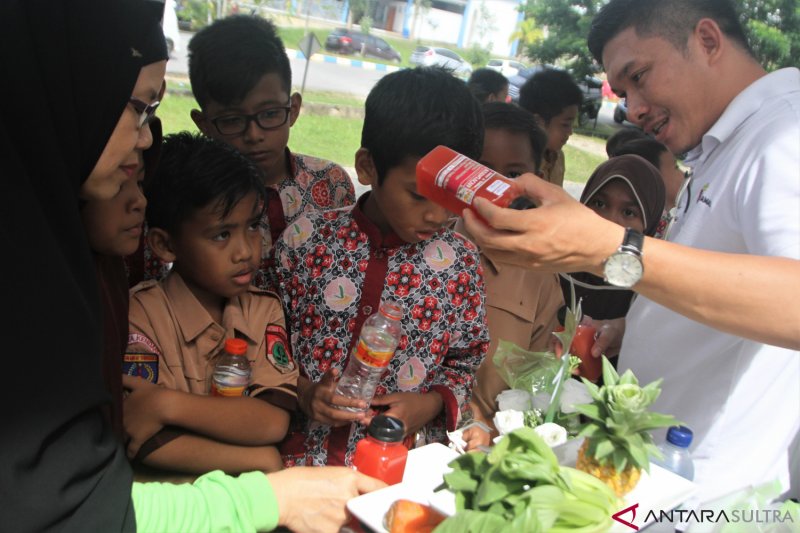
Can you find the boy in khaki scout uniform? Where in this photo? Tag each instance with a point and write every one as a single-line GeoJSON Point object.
{"type": "Point", "coordinates": [521, 305]}
{"type": "Point", "coordinates": [205, 204]}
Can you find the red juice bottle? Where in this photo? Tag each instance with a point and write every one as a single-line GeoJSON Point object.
{"type": "Point", "coordinates": [591, 367]}
{"type": "Point", "coordinates": [453, 181]}
{"type": "Point", "coordinates": [382, 454]}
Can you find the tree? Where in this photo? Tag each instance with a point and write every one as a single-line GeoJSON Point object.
{"type": "Point", "coordinates": [773, 30]}
{"type": "Point", "coordinates": [528, 32]}
{"type": "Point", "coordinates": [567, 24]}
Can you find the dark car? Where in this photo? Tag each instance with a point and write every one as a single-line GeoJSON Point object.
{"type": "Point", "coordinates": [591, 87]}
{"type": "Point", "coordinates": [344, 41]}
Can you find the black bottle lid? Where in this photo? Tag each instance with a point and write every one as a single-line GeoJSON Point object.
{"type": "Point", "coordinates": [386, 429]}
{"type": "Point", "coordinates": [521, 203]}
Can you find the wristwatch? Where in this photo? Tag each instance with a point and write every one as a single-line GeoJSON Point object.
{"type": "Point", "coordinates": [624, 267]}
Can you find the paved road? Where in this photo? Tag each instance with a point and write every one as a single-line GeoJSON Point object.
{"type": "Point", "coordinates": [321, 76]}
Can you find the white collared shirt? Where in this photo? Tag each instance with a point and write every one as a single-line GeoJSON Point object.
{"type": "Point", "coordinates": [740, 397]}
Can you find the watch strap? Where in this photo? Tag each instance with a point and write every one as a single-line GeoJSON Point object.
{"type": "Point", "coordinates": [633, 241]}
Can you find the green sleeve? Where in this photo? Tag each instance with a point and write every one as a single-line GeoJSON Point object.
{"type": "Point", "coordinates": [214, 502]}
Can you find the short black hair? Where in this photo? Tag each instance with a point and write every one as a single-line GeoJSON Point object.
{"type": "Point", "coordinates": [548, 92]}
{"type": "Point", "coordinates": [195, 171]}
{"type": "Point", "coordinates": [510, 117]}
{"type": "Point", "coordinates": [646, 148]}
{"type": "Point", "coordinates": [228, 58]}
{"type": "Point", "coordinates": [411, 111]}
{"type": "Point", "coordinates": [672, 20]}
{"type": "Point", "coordinates": [484, 82]}
{"type": "Point", "coordinates": [622, 136]}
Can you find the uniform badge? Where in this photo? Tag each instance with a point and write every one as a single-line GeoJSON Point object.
{"type": "Point", "coordinates": [143, 365]}
{"type": "Point", "coordinates": [278, 351]}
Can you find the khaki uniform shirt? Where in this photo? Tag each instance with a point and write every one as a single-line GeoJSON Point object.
{"type": "Point", "coordinates": [553, 167]}
{"type": "Point", "coordinates": [174, 342]}
{"type": "Point", "coordinates": [521, 307]}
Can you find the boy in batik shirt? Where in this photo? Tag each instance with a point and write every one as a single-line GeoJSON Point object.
{"type": "Point", "coordinates": [333, 269]}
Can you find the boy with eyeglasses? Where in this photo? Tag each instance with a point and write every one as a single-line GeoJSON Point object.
{"type": "Point", "coordinates": [242, 81]}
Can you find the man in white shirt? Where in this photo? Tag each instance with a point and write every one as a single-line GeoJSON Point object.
{"type": "Point", "coordinates": [718, 316]}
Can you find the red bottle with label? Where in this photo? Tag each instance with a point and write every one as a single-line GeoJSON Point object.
{"type": "Point", "coordinates": [453, 181]}
{"type": "Point", "coordinates": [382, 454]}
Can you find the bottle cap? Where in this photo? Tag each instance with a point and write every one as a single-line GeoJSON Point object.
{"type": "Point", "coordinates": [391, 309]}
{"type": "Point", "coordinates": [386, 429]}
{"type": "Point", "coordinates": [236, 346]}
{"type": "Point", "coordinates": [521, 203]}
{"type": "Point", "coordinates": [680, 436]}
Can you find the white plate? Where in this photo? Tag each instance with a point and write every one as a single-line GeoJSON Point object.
{"type": "Point", "coordinates": [424, 470]}
{"type": "Point", "coordinates": [656, 491]}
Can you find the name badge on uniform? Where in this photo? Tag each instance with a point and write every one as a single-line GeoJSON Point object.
{"type": "Point", "coordinates": [278, 351]}
{"type": "Point", "coordinates": [143, 365]}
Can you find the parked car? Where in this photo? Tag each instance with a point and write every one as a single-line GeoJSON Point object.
{"type": "Point", "coordinates": [621, 111]}
{"type": "Point", "coordinates": [431, 55]}
{"type": "Point", "coordinates": [346, 41]}
{"type": "Point", "coordinates": [506, 67]}
{"type": "Point", "coordinates": [590, 86]}
{"type": "Point", "coordinates": [170, 25]}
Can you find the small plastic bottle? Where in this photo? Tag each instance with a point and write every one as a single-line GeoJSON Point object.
{"type": "Point", "coordinates": [382, 454]}
{"type": "Point", "coordinates": [677, 458]}
{"type": "Point", "coordinates": [453, 181]}
{"type": "Point", "coordinates": [232, 370]}
{"type": "Point", "coordinates": [376, 344]}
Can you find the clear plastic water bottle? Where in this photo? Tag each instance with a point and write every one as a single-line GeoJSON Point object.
{"type": "Point", "coordinates": [376, 344]}
{"type": "Point", "coordinates": [677, 458]}
{"type": "Point", "coordinates": [232, 370]}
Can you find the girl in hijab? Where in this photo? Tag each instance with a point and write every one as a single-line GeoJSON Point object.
{"type": "Point", "coordinates": [79, 87]}
{"type": "Point", "coordinates": [629, 191]}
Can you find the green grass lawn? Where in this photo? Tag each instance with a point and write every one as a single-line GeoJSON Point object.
{"type": "Point", "coordinates": [579, 163]}
{"type": "Point", "coordinates": [337, 138]}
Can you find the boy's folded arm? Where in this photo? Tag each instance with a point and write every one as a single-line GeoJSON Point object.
{"type": "Point", "coordinates": [245, 421]}
{"type": "Point", "coordinates": [198, 454]}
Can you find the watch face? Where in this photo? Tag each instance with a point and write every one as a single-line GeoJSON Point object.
{"type": "Point", "coordinates": [623, 269]}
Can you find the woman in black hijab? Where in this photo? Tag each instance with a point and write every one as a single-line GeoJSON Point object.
{"type": "Point", "coordinates": [640, 183]}
{"type": "Point", "coordinates": [80, 79]}
{"type": "Point", "coordinates": [70, 68]}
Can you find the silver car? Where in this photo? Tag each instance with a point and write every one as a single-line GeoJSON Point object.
{"type": "Point", "coordinates": [431, 55]}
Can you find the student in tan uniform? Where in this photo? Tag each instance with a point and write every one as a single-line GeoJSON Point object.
{"type": "Point", "coordinates": [205, 202]}
{"type": "Point", "coordinates": [521, 305]}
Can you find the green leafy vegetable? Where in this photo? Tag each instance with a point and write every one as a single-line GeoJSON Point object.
{"type": "Point", "coordinates": [519, 486]}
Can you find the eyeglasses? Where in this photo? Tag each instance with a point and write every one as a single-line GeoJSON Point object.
{"type": "Point", "coordinates": [146, 111]}
{"type": "Point", "coordinates": [681, 204]}
{"type": "Point", "coordinates": [267, 119]}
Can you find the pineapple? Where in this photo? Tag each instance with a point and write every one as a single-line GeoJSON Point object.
{"type": "Point", "coordinates": [618, 441]}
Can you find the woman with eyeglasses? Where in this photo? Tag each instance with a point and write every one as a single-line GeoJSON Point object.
{"type": "Point", "coordinates": [80, 86]}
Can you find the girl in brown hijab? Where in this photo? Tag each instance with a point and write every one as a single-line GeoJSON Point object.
{"type": "Point", "coordinates": [627, 190]}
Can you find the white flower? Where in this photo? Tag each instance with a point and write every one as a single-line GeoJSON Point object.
{"type": "Point", "coordinates": [573, 393]}
{"type": "Point", "coordinates": [518, 400]}
{"type": "Point", "coordinates": [508, 420]}
{"type": "Point", "coordinates": [552, 434]}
